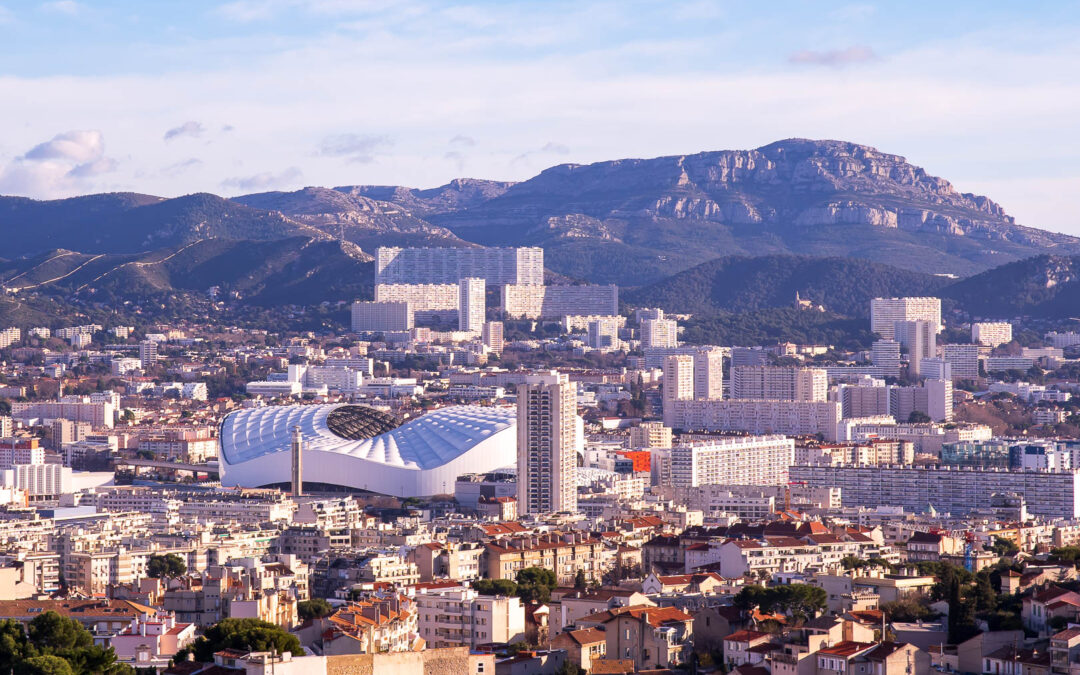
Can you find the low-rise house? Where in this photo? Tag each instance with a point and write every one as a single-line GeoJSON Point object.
{"type": "Point", "coordinates": [653, 637]}
{"type": "Point", "coordinates": [737, 647]}
{"type": "Point", "coordinates": [583, 647]}
{"type": "Point", "coordinates": [455, 616]}
{"type": "Point", "coordinates": [387, 624]}
{"type": "Point", "coordinates": [1053, 602]}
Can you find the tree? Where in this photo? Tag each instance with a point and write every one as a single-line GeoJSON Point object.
{"type": "Point", "coordinates": [13, 645]}
{"type": "Point", "coordinates": [45, 665]}
{"type": "Point", "coordinates": [242, 634]}
{"type": "Point", "coordinates": [169, 566]}
{"type": "Point", "coordinates": [918, 417]}
{"type": "Point", "coordinates": [495, 587]}
{"type": "Point", "coordinates": [800, 601]}
{"type": "Point", "coordinates": [315, 608]}
{"type": "Point", "coordinates": [535, 584]}
{"type": "Point", "coordinates": [1003, 547]}
{"type": "Point", "coordinates": [579, 580]}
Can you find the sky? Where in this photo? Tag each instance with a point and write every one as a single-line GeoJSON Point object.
{"type": "Point", "coordinates": [178, 96]}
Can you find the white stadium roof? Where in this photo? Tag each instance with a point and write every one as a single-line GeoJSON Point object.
{"type": "Point", "coordinates": [358, 447]}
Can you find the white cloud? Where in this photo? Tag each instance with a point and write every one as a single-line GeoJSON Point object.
{"type": "Point", "coordinates": [466, 141]}
{"type": "Point", "coordinates": [77, 146]}
{"type": "Point", "coordinates": [943, 104]}
{"type": "Point", "coordinates": [68, 7]}
{"type": "Point", "coordinates": [266, 180]}
{"type": "Point", "coordinates": [836, 58]}
{"type": "Point", "coordinates": [359, 148]}
{"type": "Point", "coordinates": [58, 167]}
{"type": "Point", "coordinates": [190, 128]}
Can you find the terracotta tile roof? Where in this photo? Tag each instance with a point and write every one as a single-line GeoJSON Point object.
{"type": "Point", "coordinates": [846, 649]}
{"type": "Point", "coordinates": [746, 636]}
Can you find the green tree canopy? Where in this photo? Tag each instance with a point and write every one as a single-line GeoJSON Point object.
{"type": "Point", "coordinates": [315, 608]}
{"type": "Point", "coordinates": [495, 587]}
{"type": "Point", "coordinates": [242, 634]}
{"type": "Point", "coordinates": [169, 566]}
{"type": "Point", "coordinates": [535, 584]}
{"type": "Point", "coordinates": [45, 665]}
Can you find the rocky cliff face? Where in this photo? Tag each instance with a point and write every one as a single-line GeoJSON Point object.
{"type": "Point", "coordinates": [796, 182]}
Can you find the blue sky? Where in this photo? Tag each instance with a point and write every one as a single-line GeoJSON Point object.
{"type": "Point", "coordinates": [171, 97]}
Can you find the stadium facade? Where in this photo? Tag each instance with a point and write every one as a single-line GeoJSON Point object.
{"type": "Point", "coordinates": [357, 447]}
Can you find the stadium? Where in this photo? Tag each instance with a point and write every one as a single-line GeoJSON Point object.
{"type": "Point", "coordinates": [360, 448]}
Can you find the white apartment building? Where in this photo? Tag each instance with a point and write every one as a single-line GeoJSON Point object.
{"type": "Point", "coordinates": [794, 418]}
{"type": "Point", "coordinates": [7, 427]}
{"type": "Point", "coordinates": [491, 334]}
{"type": "Point", "coordinates": [678, 384]}
{"type": "Point", "coordinates": [496, 266]}
{"type": "Point", "coordinates": [779, 383]}
{"type": "Point", "coordinates": [41, 482]}
{"type": "Point", "coordinates": [472, 304]}
{"type": "Point", "coordinates": [74, 408]}
{"type": "Point", "coordinates": [991, 334]}
{"type": "Point", "coordinates": [9, 336]}
{"type": "Point", "coordinates": [603, 334]}
{"type": "Point", "coordinates": [381, 316]}
{"type": "Point", "coordinates": [534, 301]}
{"type": "Point", "coordinates": [948, 489]}
{"type": "Point", "coordinates": [885, 312]}
{"type": "Point", "coordinates": [124, 365]}
{"type": "Point", "coordinates": [920, 338]}
{"type": "Point", "coordinates": [933, 397]}
{"type": "Point", "coordinates": [148, 353]}
{"type": "Point", "coordinates": [885, 355]}
{"type": "Point", "coordinates": [428, 302]}
{"type": "Point", "coordinates": [573, 323]}
{"type": "Point", "coordinates": [709, 372]}
{"type": "Point", "coordinates": [661, 333]}
{"type": "Point", "coordinates": [751, 460]}
{"type": "Point", "coordinates": [459, 616]}
{"type": "Point", "coordinates": [864, 400]}
{"type": "Point", "coordinates": [963, 360]}
{"type": "Point", "coordinates": [650, 435]}
{"type": "Point", "coordinates": [547, 428]}
{"type": "Point", "coordinates": [1062, 340]}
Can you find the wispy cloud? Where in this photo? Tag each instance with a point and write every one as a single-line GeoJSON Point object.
{"type": "Point", "coordinates": [182, 166]}
{"type": "Point", "coordinates": [68, 7]}
{"type": "Point", "coordinates": [267, 180]}
{"type": "Point", "coordinates": [190, 128]}
{"type": "Point", "coordinates": [464, 141]}
{"type": "Point", "coordinates": [360, 148]}
{"type": "Point", "coordinates": [835, 58]}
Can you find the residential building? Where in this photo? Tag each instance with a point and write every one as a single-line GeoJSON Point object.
{"type": "Point", "coordinates": [794, 418]}
{"type": "Point", "coordinates": [561, 553]}
{"type": "Point", "coordinates": [496, 266]}
{"type": "Point", "coordinates": [920, 339]}
{"type": "Point", "coordinates": [779, 383]}
{"type": "Point", "coordinates": [885, 355]}
{"type": "Point", "coordinates": [991, 334]}
{"type": "Point", "coordinates": [458, 616]}
{"type": "Point", "coordinates": [491, 334]}
{"type": "Point", "coordinates": [963, 360]}
{"type": "Point", "coordinates": [933, 398]}
{"type": "Point", "coordinates": [377, 317]}
{"type": "Point", "coordinates": [652, 637]}
{"type": "Point", "coordinates": [958, 491]}
{"type": "Point", "coordinates": [427, 302]}
{"type": "Point", "coordinates": [472, 304]}
{"type": "Point", "coordinates": [885, 312]}
{"type": "Point", "coordinates": [546, 446]}
{"type": "Point", "coordinates": [741, 460]}
{"type": "Point", "coordinates": [662, 333]}
{"type": "Point", "coordinates": [542, 302]}
{"type": "Point", "coordinates": [650, 435]}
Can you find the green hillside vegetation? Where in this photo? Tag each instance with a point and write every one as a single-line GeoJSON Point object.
{"type": "Point", "coordinates": [741, 284]}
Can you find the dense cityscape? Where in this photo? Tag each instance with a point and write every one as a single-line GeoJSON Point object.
{"type": "Point", "coordinates": [490, 474]}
